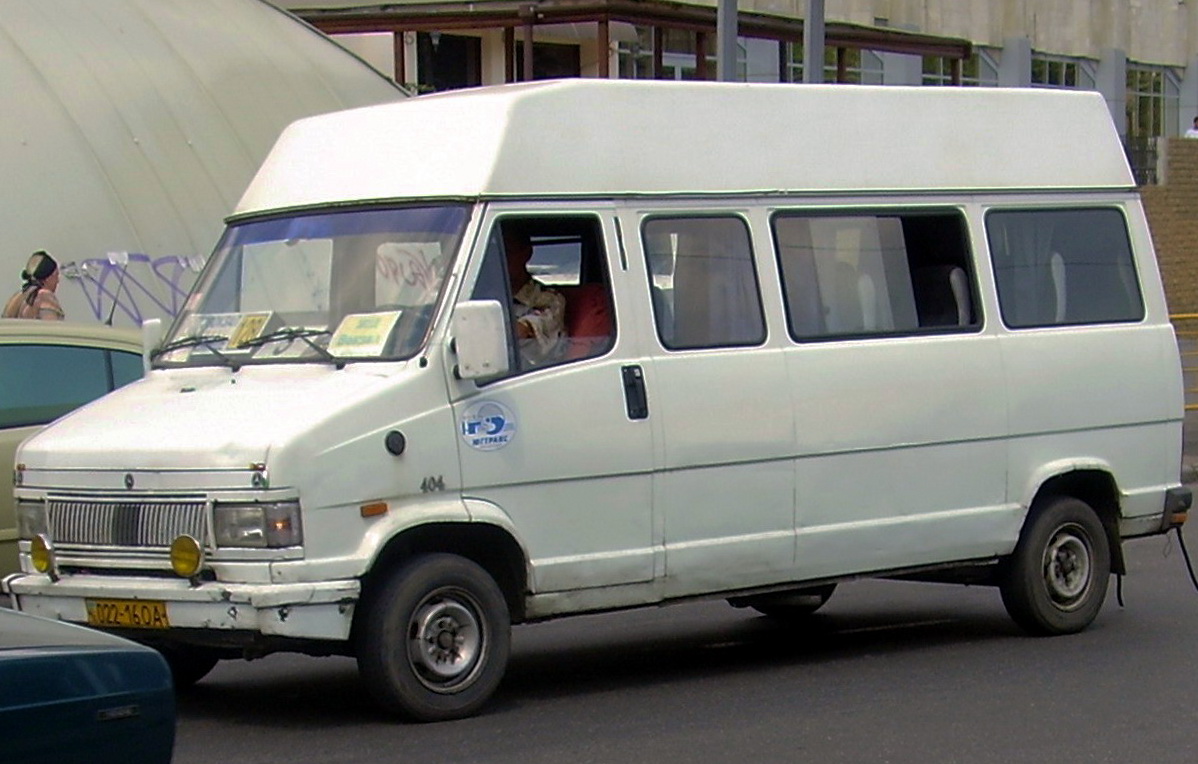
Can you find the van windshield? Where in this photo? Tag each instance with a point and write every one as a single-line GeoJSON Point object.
{"type": "Point", "coordinates": [331, 286]}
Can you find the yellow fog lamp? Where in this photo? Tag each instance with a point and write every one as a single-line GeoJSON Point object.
{"type": "Point", "coordinates": [41, 552]}
{"type": "Point", "coordinates": [186, 556]}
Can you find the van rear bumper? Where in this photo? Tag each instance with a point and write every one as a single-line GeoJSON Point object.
{"type": "Point", "coordinates": [1173, 515]}
{"type": "Point", "coordinates": [1177, 506]}
{"type": "Point", "coordinates": [319, 611]}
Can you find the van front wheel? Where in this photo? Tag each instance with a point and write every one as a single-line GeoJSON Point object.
{"type": "Point", "coordinates": [1056, 580]}
{"type": "Point", "coordinates": [435, 639]}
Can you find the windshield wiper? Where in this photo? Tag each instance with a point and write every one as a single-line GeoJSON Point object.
{"type": "Point", "coordinates": [294, 333]}
{"type": "Point", "coordinates": [207, 340]}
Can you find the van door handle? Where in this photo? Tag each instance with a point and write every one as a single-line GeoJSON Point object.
{"type": "Point", "coordinates": [634, 392]}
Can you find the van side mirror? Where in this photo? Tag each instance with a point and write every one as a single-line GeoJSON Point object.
{"type": "Point", "coordinates": [151, 335]}
{"type": "Point", "coordinates": [480, 339]}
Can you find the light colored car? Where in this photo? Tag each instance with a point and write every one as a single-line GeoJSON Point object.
{"type": "Point", "coordinates": [72, 694]}
{"type": "Point", "coordinates": [48, 368]}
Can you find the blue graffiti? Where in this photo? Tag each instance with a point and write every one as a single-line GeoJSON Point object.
{"type": "Point", "coordinates": [134, 284]}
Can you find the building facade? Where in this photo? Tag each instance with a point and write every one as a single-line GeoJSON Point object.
{"type": "Point", "coordinates": [1142, 55]}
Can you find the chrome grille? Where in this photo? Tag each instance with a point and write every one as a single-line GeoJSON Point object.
{"type": "Point", "coordinates": [125, 523]}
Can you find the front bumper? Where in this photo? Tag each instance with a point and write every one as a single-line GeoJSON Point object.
{"type": "Point", "coordinates": [315, 611]}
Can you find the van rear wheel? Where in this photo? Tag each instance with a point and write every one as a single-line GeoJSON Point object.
{"type": "Point", "coordinates": [1056, 580]}
{"type": "Point", "coordinates": [435, 640]}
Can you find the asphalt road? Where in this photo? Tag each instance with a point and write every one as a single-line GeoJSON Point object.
{"type": "Point", "coordinates": [886, 672]}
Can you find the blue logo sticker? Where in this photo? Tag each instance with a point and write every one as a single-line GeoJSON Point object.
{"type": "Point", "coordinates": [487, 425]}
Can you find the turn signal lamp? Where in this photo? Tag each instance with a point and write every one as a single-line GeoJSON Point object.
{"type": "Point", "coordinates": [373, 509]}
{"type": "Point", "coordinates": [186, 556]}
{"type": "Point", "coordinates": [41, 552]}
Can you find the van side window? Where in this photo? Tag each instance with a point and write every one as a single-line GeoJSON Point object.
{"type": "Point", "coordinates": [868, 274]}
{"type": "Point", "coordinates": [703, 282]}
{"type": "Point", "coordinates": [1056, 267]}
{"type": "Point", "coordinates": [552, 273]}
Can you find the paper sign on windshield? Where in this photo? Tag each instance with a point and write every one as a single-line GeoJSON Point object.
{"type": "Point", "coordinates": [363, 335]}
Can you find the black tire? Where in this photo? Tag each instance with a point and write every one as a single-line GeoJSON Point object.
{"type": "Point", "coordinates": [188, 664]}
{"type": "Point", "coordinates": [434, 641]}
{"type": "Point", "coordinates": [795, 605]}
{"type": "Point", "coordinates": [1056, 580]}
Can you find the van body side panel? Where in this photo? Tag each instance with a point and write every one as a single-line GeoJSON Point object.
{"type": "Point", "coordinates": [727, 490]}
{"type": "Point", "coordinates": [1066, 408]}
{"type": "Point", "coordinates": [901, 458]}
{"type": "Point", "coordinates": [1094, 394]}
{"type": "Point", "coordinates": [725, 481]}
{"type": "Point", "coordinates": [575, 473]}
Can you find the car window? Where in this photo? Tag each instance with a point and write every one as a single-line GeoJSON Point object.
{"type": "Point", "coordinates": [126, 367]}
{"type": "Point", "coordinates": [1056, 267]}
{"type": "Point", "coordinates": [564, 256]}
{"type": "Point", "coordinates": [42, 382]}
{"type": "Point", "coordinates": [862, 273]}
{"type": "Point", "coordinates": [703, 282]}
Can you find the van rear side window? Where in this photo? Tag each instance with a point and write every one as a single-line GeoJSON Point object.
{"type": "Point", "coordinates": [865, 274]}
{"type": "Point", "coordinates": [1060, 266]}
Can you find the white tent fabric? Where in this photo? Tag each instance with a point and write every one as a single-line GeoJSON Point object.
{"type": "Point", "coordinates": [133, 126]}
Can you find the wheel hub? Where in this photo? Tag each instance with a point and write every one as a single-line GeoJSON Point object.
{"type": "Point", "coordinates": [445, 643]}
{"type": "Point", "coordinates": [1067, 568]}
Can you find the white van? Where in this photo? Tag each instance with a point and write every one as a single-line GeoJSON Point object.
{"type": "Point", "coordinates": [810, 334]}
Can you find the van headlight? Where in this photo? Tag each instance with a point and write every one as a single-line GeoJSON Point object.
{"type": "Point", "coordinates": [31, 519]}
{"type": "Point", "coordinates": [258, 526]}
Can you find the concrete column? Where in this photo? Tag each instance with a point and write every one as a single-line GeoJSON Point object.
{"type": "Point", "coordinates": [725, 49]}
{"type": "Point", "coordinates": [813, 42]}
{"type": "Point", "coordinates": [603, 49]}
{"type": "Point", "coordinates": [901, 69]}
{"type": "Point", "coordinates": [1015, 69]}
{"type": "Point", "coordinates": [1111, 81]}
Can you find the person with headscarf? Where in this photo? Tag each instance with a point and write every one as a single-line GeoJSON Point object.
{"type": "Point", "coordinates": [37, 298]}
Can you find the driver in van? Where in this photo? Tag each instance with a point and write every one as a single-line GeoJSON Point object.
{"type": "Point", "coordinates": [539, 312]}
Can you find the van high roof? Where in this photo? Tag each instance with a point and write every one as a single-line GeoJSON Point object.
{"type": "Point", "coordinates": [589, 138]}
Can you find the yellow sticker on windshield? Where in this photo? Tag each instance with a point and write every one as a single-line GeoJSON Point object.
{"type": "Point", "coordinates": [249, 327]}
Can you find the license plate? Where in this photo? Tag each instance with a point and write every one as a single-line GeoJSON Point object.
{"type": "Point", "coordinates": [129, 614]}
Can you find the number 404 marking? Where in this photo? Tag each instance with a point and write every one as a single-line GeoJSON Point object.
{"type": "Point", "coordinates": [431, 484]}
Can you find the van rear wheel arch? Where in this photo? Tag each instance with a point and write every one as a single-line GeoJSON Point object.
{"type": "Point", "coordinates": [1098, 489]}
{"type": "Point", "coordinates": [1055, 581]}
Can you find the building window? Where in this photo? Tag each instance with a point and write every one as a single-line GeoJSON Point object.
{"type": "Point", "coordinates": [550, 60]}
{"type": "Point", "coordinates": [447, 61]}
{"type": "Point", "coordinates": [678, 56]}
{"type": "Point", "coordinates": [1153, 100]}
{"type": "Point", "coordinates": [859, 67]}
{"type": "Point", "coordinates": [1153, 103]}
{"type": "Point", "coordinates": [1062, 72]}
{"type": "Point", "coordinates": [980, 69]}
